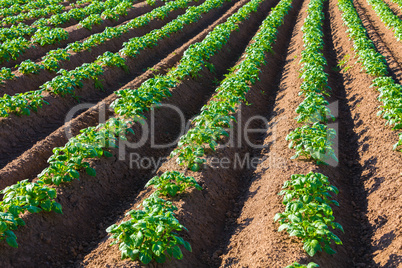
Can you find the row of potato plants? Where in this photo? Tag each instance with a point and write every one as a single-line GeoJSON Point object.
{"type": "Point", "coordinates": [16, 8]}
{"type": "Point", "coordinates": [308, 214]}
{"type": "Point", "coordinates": [9, 3]}
{"type": "Point", "coordinates": [314, 139]}
{"type": "Point", "coordinates": [208, 128]}
{"type": "Point", "coordinates": [388, 17]}
{"type": "Point", "coordinates": [53, 58]}
{"type": "Point", "coordinates": [95, 142]}
{"type": "Point", "coordinates": [53, 7]}
{"type": "Point", "coordinates": [90, 15]}
{"type": "Point", "coordinates": [87, 17]}
{"type": "Point", "coordinates": [65, 83]}
{"type": "Point", "coordinates": [46, 35]}
{"type": "Point", "coordinates": [374, 65]}
{"type": "Point", "coordinates": [24, 30]}
{"type": "Point", "coordinates": [13, 48]}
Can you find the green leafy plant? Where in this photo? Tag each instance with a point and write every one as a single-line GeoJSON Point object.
{"type": "Point", "coordinates": [313, 141]}
{"type": "Point", "coordinates": [47, 36]}
{"type": "Point", "coordinates": [24, 196]}
{"type": "Point", "coordinates": [308, 214]}
{"type": "Point", "coordinates": [6, 74]}
{"type": "Point", "coordinates": [172, 183]}
{"type": "Point", "coordinates": [297, 265]}
{"type": "Point", "coordinates": [91, 20]}
{"type": "Point", "coordinates": [374, 63]}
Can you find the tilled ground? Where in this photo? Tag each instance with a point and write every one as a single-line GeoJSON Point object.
{"type": "Point", "coordinates": [230, 221]}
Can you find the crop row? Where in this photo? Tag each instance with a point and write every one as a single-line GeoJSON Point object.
{"type": "Point", "coordinates": [314, 139]}
{"type": "Point", "coordinates": [16, 8]}
{"type": "Point", "coordinates": [53, 58]}
{"type": "Point", "coordinates": [209, 128]}
{"type": "Point", "coordinates": [87, 16]}
{"type": "Point", "coordinates": [95, 12]}
{"type": "Point", "coordinates": [46, 35]}
{"type": "Point", "coordinates": [66, 82]}
{"type": "Point", "coordinates": [9, 3]}
{"type": "Point", "coordinates": [386, 15]}
{"type": "Point", "coordinates": [308, 214]}
{"type": "Point", "coordinates": [50, 8]}
{"type": "Point", "coordinates": [375, 65]}
{"type": "Point", "coordinates": [93, 142]}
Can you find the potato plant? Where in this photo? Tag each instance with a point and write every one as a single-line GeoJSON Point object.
{"type": "Point", "coordinates": [5, 74]}
{"type": "Point", "coordinates": [172, 183]}
{"type": "Point", "coordinates": [151, 233]}
{"type": "Point", "coordinates": [29, 67]}
{"type": "Point", "coordinates": [24, 196]}
{"type": "Point", "coordinates": [308, 213]}
{"type": "Point", "coordinates": [297, 265]}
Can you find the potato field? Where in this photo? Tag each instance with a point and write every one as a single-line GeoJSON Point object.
{"type": "Point", "coordinates": [201, 133]}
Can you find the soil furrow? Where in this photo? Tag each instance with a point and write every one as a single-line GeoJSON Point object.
{"type": "Point", "coordinates": [27, 130]}
{"type": "Point", "coordinates": [382, 37]}
{"type": "Point", "coordinates": [76, 33]}
{"type": "Point", "coordinates": [88, 202]}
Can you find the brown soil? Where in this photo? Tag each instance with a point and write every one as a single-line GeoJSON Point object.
{"type": "Point", "coordinates": [91, 200]}
{"type": "Point", "coordinates": [20, 133]}
{"type": "Point", "coordinates": [75, 33]}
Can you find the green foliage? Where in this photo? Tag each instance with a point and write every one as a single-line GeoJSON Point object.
{"type": "Point", "coordinates": [150, 234]}
{"type": "Point", "coordinates": [31, 10]}
{"type": "Point", "coordinates": [29, 67]}
{"type": "Point", "coordinates": [12, 49]}
{"type": "Point", "coordinates": [314, 139]}
{"type": "Point", "coordinates": [93, 142]}
{"type": "Point", "coordinates": [91, 20]}
{"type": "Point", "coordinates": [112, 59]}
{"type": "Point", "coordinates": [313, 109]}
{"type": "Point", "coordinates": [21, 103]}
{"type": "Point", "coordinates": [172, 183]}
{"type": "Point", "coordinates": [308, 214]}
{"type": "Point", "coordinates": [51, 60]}
{"type": "Point", "coordinates": [47, 36]}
